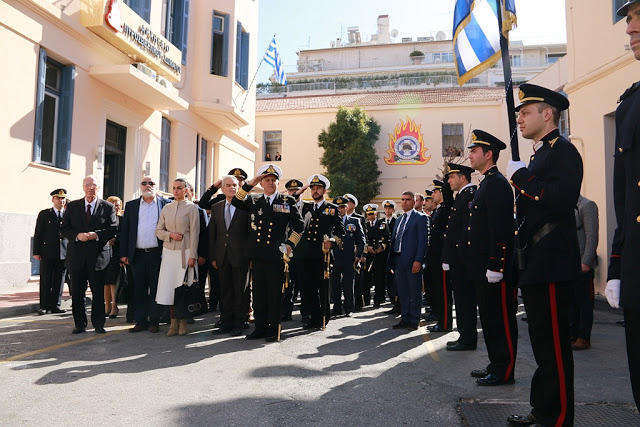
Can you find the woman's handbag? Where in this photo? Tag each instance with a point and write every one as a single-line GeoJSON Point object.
{"type": "Point", "coordinates": [124, 286]}
{"type": "Point", "coordinates": [189, 300]}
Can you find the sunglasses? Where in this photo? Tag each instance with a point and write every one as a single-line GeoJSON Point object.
{"type": "Point", "coordinates": [145, 183]}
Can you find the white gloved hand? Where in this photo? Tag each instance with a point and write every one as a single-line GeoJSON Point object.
{"type": "Point", "coordinates": [494, 276]}
{"type": "Point", "coordinates": [612, 292]}
{"type": "Point", "coordinates": [513, 167]}
{"type": "Point", "coordinates": [445, 267]}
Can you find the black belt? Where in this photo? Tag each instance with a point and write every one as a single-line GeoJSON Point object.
{"type": "Point", "coordinates": [156, 248]}
{"type": "Point", "coordinates": [543, 231]}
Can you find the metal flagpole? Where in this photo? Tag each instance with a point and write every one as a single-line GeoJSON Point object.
{"type": "Point", "coordinates": [508, 87]}
{"type": "Point", "coordinates": [256, 74]}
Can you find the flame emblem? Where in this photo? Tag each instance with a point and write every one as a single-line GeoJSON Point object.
{"type": "Point", "coordinates": [406, 145]}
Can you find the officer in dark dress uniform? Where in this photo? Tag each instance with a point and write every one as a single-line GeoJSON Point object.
{"type": "Point", "coordinates": [489, 260]}
{"type": "Point", "coordinates": [293, 187]}
{"type": "Point", "coordinates": [50, 248]}
{"type": "Point", "coordinates": [428, 207]}
{"type": "Point", "coordinates": [271, 214]}
{"type": "Point", "coordinates": [321, 222]}
{"type": "Point", "coordinates": [549, 258]}
{"type": "Point", "coordinates": [390, 218]}
{"type": "Point", "coordinates": [442, 300]}
{"type": "Point", "coordinates": [623, 286]}
{"type": "Point", "coordinates": [454, 256]}
{"type": "Point", "coordinates": [360, 264]}
{"type": "Point", "coordinates": [377, 237]}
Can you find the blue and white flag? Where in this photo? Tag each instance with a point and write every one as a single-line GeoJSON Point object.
{"type": "Point", "coordinates": [476, 34]}
{"type": "Point", "coordinates": [272, 57]}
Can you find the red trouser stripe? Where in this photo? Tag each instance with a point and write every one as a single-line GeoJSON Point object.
{"type": "Point", "coordinates": [559, 363]}
{"type": "Point", "coordinates": [445, 324]}
{"type": "Point", "coordinates": [507, 331]}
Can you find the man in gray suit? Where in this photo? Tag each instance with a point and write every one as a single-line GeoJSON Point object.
{"type": "Point", "coordinates": [228, 233]}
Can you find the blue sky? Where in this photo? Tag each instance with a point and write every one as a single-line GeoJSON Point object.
{"type": "Point", "coordinates": [301, 25]}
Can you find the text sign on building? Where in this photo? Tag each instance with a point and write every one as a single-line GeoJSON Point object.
{"type": "Point", "coordinates": [406, 145]}
{"type": "Point", "coordinates": [115, 22]}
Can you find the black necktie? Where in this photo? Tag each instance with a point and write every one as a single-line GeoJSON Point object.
{"type": "Point", "coordinates": [88, 214]}
{"type": "Point", "coordinates": [59, 217]}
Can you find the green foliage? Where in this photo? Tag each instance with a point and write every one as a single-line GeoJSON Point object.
{"type": "Point", "coordinates": [416, 53]}
{"type": "Point", "coordinates": [349, 155]}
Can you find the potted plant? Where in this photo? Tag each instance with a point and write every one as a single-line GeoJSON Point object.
{"type": "Point", "coordinates": [416, 56]}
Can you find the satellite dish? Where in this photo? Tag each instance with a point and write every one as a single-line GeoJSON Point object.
{"type": "Point", "coordinates": [440, 35]}
{"type": "Point", "coordinates": [332, 43]}
{"type": "Point", "coordinates": [394, 33]}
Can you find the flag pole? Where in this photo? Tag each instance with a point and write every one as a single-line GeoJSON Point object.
{"type": "Point", "coordinates": [508, 87]}
{"type": "Point", "coordinates": [256, 74]}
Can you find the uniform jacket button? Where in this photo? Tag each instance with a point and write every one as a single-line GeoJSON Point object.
{"type": "Point", "coordinates": [638, 219]}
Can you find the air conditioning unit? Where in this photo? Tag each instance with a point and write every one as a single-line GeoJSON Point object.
{"type": "Point", "coordinates": [146, 70]}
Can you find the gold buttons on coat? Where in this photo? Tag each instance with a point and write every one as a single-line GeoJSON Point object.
{"type": "Point", "coordinates": [537, 198]}
{"type": "Point", "coordinates": [620, 149]}
{"type": "Point", "coordinates": [258, 240]}
{"type": "Point", "coordinates": [521, 191]}
{"type": "Point", "coordinates": [515, 233]}
{"type": "Point", "coordinates": [638, 219]}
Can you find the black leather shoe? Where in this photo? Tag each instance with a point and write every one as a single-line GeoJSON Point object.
{"type": "Point", "coordinates": [430, 318]}
{"type": "Point", "coordinates": [460, 347]}
{"type": "Point", "coordinates": [392, 311]}
{"type": "Point", "coordinates": [255, 335]}
{"type": "Point", "coordinates": [348, 314]}
{"type": "Point", "coordinates": [271, 338]}
{"type": "Point", "coordinates": [376, 305]}
{"type": "Point", "coordinates": [412, 326]}
{"type": "Point", "coordinates": [437, 328]}
{"type": "Point", "coordinates": [138, 328]}
{"type": "Point", "coordinates": [78, 330]}
{"type": "Point", "coordinates": [335, 312]}
{"type": "Point", "coordinates": [522, 420]}
{"type": "Point", "coordinates": [236, 332]}
{"type": "Point", "coordinates": [154, 329]}
{"type": "Point", "coordinates": [452, 343]}
{"type": "Point", "coordinates": [218, 323]}
{"type": "Point", "coordinates": [57, 310]}
{"type": "Point", "coordinates": [42, 312]}
{"type": "Point", "coordinates": [479, 373]}
{"type": "Point", "coordinates": [400, 325]}
{"type": "Point", "coordinates": [100, 330]}
{"type": "Point", "coordinates": [491, 380]}
{"type": "Point", "coordinates": [312, 325]}
{"type": "Point", "coordinates": [221, 331]}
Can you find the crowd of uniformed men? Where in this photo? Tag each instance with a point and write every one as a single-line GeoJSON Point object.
{"type": "Point", "coordinates": [260, 251]}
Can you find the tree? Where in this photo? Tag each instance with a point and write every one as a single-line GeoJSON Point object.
{"type": "Point", "coordinates": [349, 155]}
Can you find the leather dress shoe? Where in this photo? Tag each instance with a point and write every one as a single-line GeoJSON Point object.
{"type": "Point", "coordinates": [138, 328]}
{"type": "Point", "coordinates": [42, 312]}
{"type": "Point", "coordinates": [348, 314]}
{"type": "Point", "coordinates": [581, 344]}
{"type": "Point", "coordinates": [236, 332]}
{"type": "Point", "coordinates": [491, 380]}
{"type": "Point", "coordinates": [78, 330]}
{"type": "Point", "coordinates": [154, 329]}
{"type": "Point", "coordinates": [335, 312]}
{"type": "Point", "coordinates": [437, 328]}
{"type": "Point", "coordinates": [271, 338]}
{"type": "Point", "coordinates": [460, 347]}
{"type": "Point", "coordinates": [412, 326]}
{"type": "Point", "coordinates": [256, 335]}
{"type": "Point", "coordinates": [221, 331]}
{"type": "Point", "coordinates": [479, 373]}
{"type": "Point", "coordinates": [100, 330]}
{"type": "Point", "coordinates": [312, 325]}
{"type": "Point", "coordinates": [522, 420]}
{"type": "Point", "coordinates": [218, 323]}
{"type": "Point", "coordinates": [57, 310]}
{"type": "Point", "coordinates": [376, 305]}
{"type": "Point", "coordinates": [430, 318]}
{"type": "Point", "coordinates": [452, 343]}
{"type": "Point", "coordinates": [400, 325]}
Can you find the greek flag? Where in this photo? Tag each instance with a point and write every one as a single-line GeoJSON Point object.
{"type": "Point", "coordinates": [272, 57]}
{"type": "Point", "coordinates": [476, 34]}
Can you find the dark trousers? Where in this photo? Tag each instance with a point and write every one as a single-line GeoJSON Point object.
{"type": "Point", "coordinates": [377, 278]}
{"type": "Point", "coordinates": [390, 279]}
{"type": "Point", "coordinates": [547, 307]}
{"type": "Point", "coordinates": [410, 293]}
{"type": "Point", "coordinates": [287, 300]}
{"type": "Point", "coordinates": [316, 290]}
{"type": "Point", "coordinates": [442, 297]}
{"type": "Point", "coordinates": [268, 276]}
{"type": "Point", "coordinates": [632, 333]}
{"type": "Point", "coordinates": [146, 269]}
{"type": "Point", "coordinates": [342, 283]}
{"type": "Point", "coordinates": [466, 306]}
{"type": "Point", "coordinates": [428, 287]}
{"type": "Point", "coordinates": [358, 288]}
{"type": "Point", "coordinates": [233, 294]}
{"type": "Point", "coordinates": [79, 279]}
{"type": "Point", "coordinates": [214, 285]}
{"type": "Point", "coordinates": [581, 312]}
{"type": "Point", "coordinates": [497, 305]}
{"type": "Point", "coordinates": [52, 272]}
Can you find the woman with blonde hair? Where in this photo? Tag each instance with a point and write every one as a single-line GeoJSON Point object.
{"type": "Point", "coordinates": [111, 272]}
{"type": "Point", "coordinates": [178, 227]}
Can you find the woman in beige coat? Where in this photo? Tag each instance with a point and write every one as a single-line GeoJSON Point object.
{"type": "Point", "coordinates": [179, 228]}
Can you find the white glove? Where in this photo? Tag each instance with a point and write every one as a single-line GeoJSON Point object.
{"type": "Point", "coordinates": [513, 167]}
{"type": "Point", "coordinates": [494, 276]}
{"type": "Point", "coordinates": [612, 292]}
{"type": "Point", "coordinates": [445, 267]}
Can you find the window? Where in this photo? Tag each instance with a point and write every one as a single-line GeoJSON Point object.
{"type": "Point", "coordinates": [553, 57]}
{"type": "Point", "coordinates": [442, 57]}
{"type": "Point", "coordinates": [177, 25]}
{"type": "Point", "coordinates": [165, 146]}
{"type": "Point", "coordinates": [219, 44]}
{"type": "Point", "coordinates": [272, 144]}
{"type": "Point", "coordinates": [515, 60]}
{"type": "Point", "coordinates": [141, 7]}
{"type": "Point", "coordinates": [242, 57]}
{"type": "Point", "coordinates": [201, 165]}
{"type": "Point", "coordinates": [617, 4]}
{"type": "Point", "coordinates": [452, 140]}
{"type": "Point", "coordinates": [54, 113]}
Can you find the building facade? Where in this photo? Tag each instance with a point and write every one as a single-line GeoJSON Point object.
{"type": "Point", "coordinates": [119, 89]}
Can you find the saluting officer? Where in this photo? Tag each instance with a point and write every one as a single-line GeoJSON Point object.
{"type": "Point", "coordinates": [454, 257]}
{"type": "Point", "coordinates": [321, 219]}
{"type": "Point", "coordinates": [489, 260]}
{"type": "Point", "coordinates": [206, 200]}
{"type": "Point", "coordinates": [271, 214]}
{"type": "Point", "coordinates": [294, 188]}
{"type": "Point", "coordinates": [547, 192]}
{"type": "Point", "coordinates": [360, 264]}
{"type": "Point", "coordinates": [390, 283]}
{"type": "Point", "coordinates": [377, 236]}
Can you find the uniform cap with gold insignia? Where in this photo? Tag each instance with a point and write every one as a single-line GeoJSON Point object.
{"type": "Point", "coordinates": [238, 173]}
{"type": "Point", "coordinates": [293, 184]}
{"type": "Point", "coordinates": [351, 198]}
{"type": "Point", "coordinates": [270, 169]}
{"type": "Point", "coordinates": [389, 204]}
{"type": "Point", "coordinates": [59, 192]}
{"type": "Point", "coordinates": [480, 138]}
{"type": "Point", "coordinates": [437, 184]}
{"type": "Point", "coordinates": [370, 208]}
{"type": "Point", "coordinates": [625, 8]}
{"type": "Point", "coordinates": [319, 180]}
{"type": "Point", "coordinates": [530, 94]}
{"type": "Point", "coordinates": [456, 168]}
{"type": "Point", "coordinates": [428, 194]}
{"type": "Point", "coordinates": [340, 201]}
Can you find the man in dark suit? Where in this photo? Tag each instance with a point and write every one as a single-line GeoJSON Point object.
{"type": "Point", "coordinates": [89, 223]}
{"type": "Point", "coordinates": [294, 188]}
{"type": "Point", "coordinates": [228, 235]}
{"type": "Point", "coordinates": [547, 192]}
{"type": "Point", "coordinates": [50, 248]}
{"type": "Point", "coordinates": [207, 200]}
{"type": "Point", "coordinates": [409, 242]}
{"type": "Point", "coordinates": [345, 255]}
{"type": "Point", "coordinates": [142, 251]}
{"type": "Point", "coordinates": [377, 238]}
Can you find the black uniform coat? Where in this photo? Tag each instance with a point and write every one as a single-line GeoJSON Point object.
{"type": "Point", "coordinates": [352, 244]}
{"type": "Point", "coordinates": [438, 224]}
{"type": "Point", "coordinates": [317, 223]}
{"type": "Point", "coordinates": [457, 228]}
{"type": "Point", "coordinates": [47, 237]}
{"type": "Point", "coordinates": [490, 227]}
{"type": "Point", "coordinates": [377, 235]}
{"type": "Point", "coordinates": [547, 193]}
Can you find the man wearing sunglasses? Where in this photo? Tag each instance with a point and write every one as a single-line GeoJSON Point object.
{"type": "Point", "coordinates": [142, 251]}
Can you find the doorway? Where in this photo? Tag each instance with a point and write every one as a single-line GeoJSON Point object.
{"type": "Point", "coordinates": [114, 155]}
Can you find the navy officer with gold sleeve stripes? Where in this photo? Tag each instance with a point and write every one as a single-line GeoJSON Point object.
{"type": "Point", "coordinates": [549, 259]}
{"type": "Point", "coordinates": [271, 214]}
{"type": "Point", "coordinates": [489, 260]}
